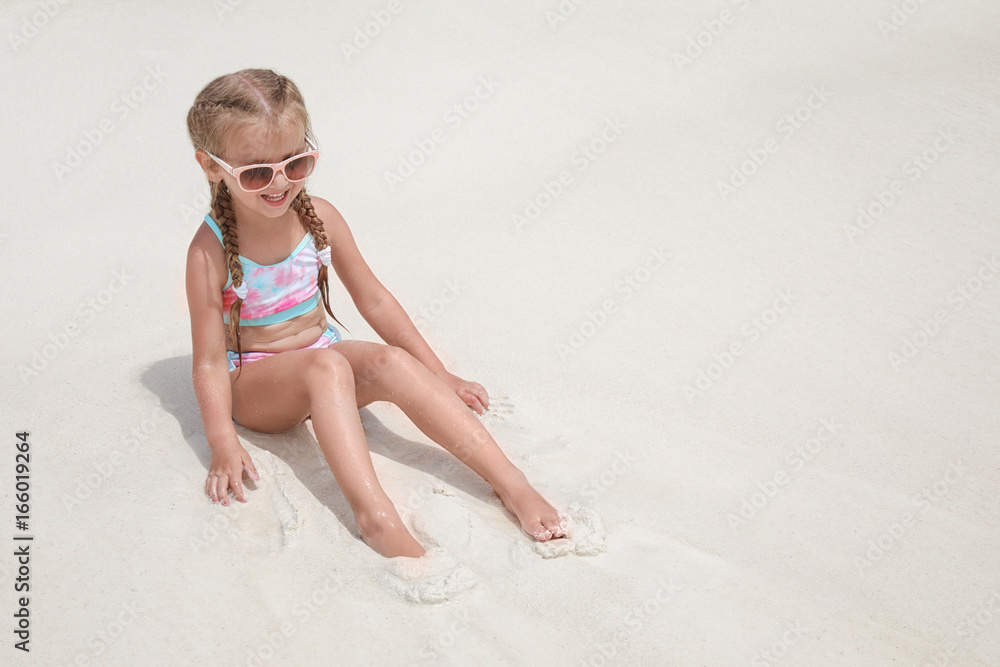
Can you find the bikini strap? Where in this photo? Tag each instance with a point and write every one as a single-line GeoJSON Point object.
{"type": "Point", "coordinates": [214, 226]}
{"type": "Point", "coordinates": [218, 233]}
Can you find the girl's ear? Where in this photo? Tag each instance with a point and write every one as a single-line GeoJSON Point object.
{"type": "Point", "coordinates": [212, 170]}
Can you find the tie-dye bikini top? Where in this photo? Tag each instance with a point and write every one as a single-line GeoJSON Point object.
{"type": "Point", "coordinates": [275, 292]}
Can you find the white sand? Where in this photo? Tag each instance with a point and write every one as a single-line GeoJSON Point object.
{"type": "Point", "coordinates": [875, 546]}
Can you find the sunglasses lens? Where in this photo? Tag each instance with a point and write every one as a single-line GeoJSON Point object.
{"type": "Point", "coordinates": [256, 178]}
{"type": "Point", "coordinates": [300, 168]}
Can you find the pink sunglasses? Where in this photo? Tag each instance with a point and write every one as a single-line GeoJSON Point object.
{"type": "Point", "coordinates": [257, 177]}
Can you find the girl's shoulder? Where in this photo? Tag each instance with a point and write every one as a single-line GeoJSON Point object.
{"type": "Point", "coordinates": [333, 222]}
{"type": "Point", "coordinates": [324, 209]}
{"type": "Point", "coordinates": [207, 238]}
{"type": "Point", "coordinates": [206, 254]}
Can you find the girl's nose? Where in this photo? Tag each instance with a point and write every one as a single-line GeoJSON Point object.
{"type": "Point", "coordinates": [280, 182]}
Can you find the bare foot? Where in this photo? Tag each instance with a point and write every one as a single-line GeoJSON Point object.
{"type": "Point", "coordinates": [538, 518]}
{"type": "Point", "coordinates": [387, 535]}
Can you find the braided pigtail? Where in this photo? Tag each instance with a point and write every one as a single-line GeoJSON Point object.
{"type": "Point", "coordinates": [222, 211]}
{"type": "Point", "coordinates": [307, 216]}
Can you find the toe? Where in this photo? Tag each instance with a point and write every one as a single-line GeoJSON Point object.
{"type": "Point", "coordinates": [538, 531]}
{"type": "Point", "coordinates": [557, 527]}
{"type": "Point", "coordinates": [542, 535]}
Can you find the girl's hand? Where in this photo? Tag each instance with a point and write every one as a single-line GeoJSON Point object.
{"type": "Point", "coordinates": [473, 393]}
{"type": "Point", "coordinates": [229, 462]}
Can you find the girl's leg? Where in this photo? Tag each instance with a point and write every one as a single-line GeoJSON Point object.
{"type": "Point", "coordinates": [276, 393]}
{"type": "Point", "coordinates": [387, 373]}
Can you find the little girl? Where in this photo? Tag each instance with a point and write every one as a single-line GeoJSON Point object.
{"type": "Point", "coordinates": [264, 355]}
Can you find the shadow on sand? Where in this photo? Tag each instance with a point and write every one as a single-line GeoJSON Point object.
{"type": "Point", "coordinates": [170, 380]}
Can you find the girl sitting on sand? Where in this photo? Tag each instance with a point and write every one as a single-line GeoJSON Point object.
{"type": "Point", "coordinates": [263, 353]}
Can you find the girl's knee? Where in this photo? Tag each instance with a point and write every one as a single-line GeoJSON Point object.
{"type": "Point", "coordinates": [326, 365]}
{"type": "Point", "coordinates": [397, 356]}
{"type": "Point", "coordinates": [384, 359]}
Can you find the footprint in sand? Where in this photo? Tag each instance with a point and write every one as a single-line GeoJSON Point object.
{"type": "Point", "coordinates": [279, 528]}
{"type": "Point", "coordinates": [442, 520]}
{"type": "Point", "coordinates": [586, 537]}
{"type": "Point", "coordinates": [527, 447]}
{"type": "Point", "coordinates": [519, 438]}
{"type": "Point", "coordinates": [500, 410]}
{"type": "Point", "coordinates": [434, 578]}
{"type": "Point", "coordinates": [286, 508]}
{"type": "Point", "coordinates": [443, 524]}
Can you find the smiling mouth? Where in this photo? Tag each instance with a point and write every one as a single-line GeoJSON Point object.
{"type": "Point", "coordinates": [275, 199]}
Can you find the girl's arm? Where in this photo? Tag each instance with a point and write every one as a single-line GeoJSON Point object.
{"type": "Point", "coordinates": [381, 309]}
{"type": "Point", "coordinates": [210, 370]}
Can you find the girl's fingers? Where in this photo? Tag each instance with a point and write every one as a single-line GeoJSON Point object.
{"type": "Point", "coordinates": [218, 484]}
{"type": "Point", "coordinates": [484, 397]}
{"type": "Point", "coordinates": [479, 392]}
{"type": "Point", "coordinates": [222, 489]}
{"type": "Point", "coordinates": [213, 489]}
{"type": "Point", "coordinates": [217, 488]}
{"type": "Point", "coordinates": [237, 485]}
{"type": "Point", "coordinates": [472, 400]}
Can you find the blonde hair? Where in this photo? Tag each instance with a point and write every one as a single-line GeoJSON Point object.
{"type": "Point", "coordinates": [266, 101]}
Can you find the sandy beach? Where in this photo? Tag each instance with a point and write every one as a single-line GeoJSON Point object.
{"type": "Point", "coordinates": [729, 271]}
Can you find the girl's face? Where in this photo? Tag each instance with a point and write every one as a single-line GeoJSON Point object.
{"type": "Point", "coordinates": [245, 146]}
